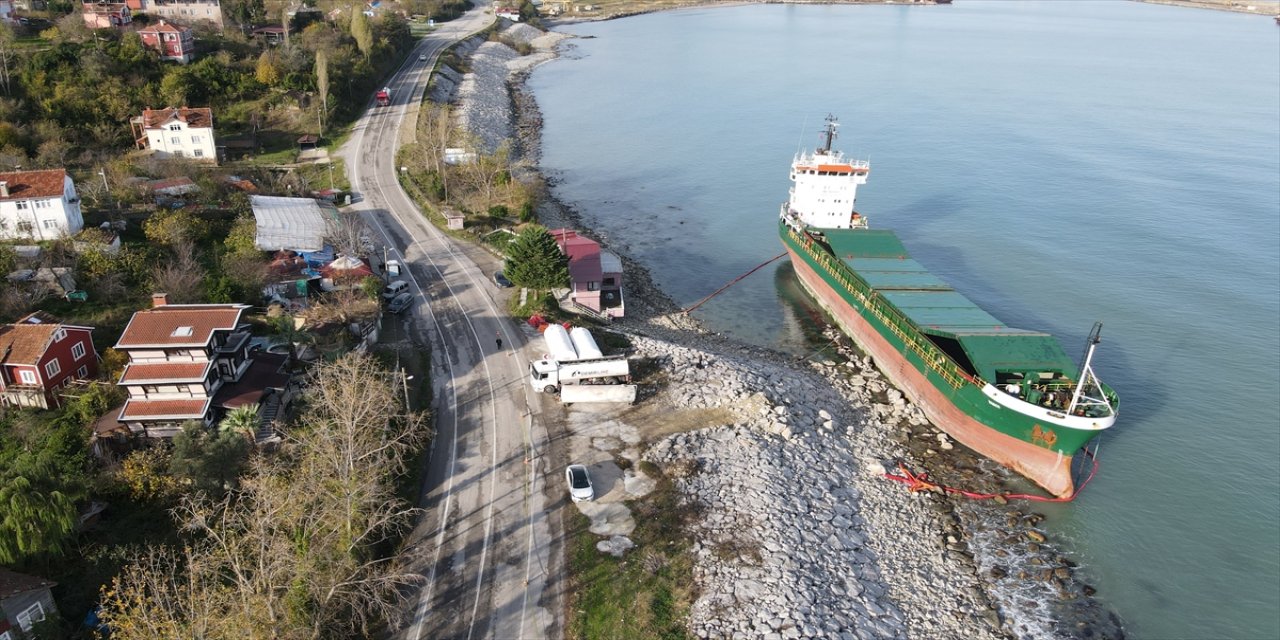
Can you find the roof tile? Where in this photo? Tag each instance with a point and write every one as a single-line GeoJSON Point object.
{"type": "Point", "coordinates": [196, 117]}
{"type": "Point", "coordinates": [34, 184]}
{"type": "Point", "coordinates": [159, 327]}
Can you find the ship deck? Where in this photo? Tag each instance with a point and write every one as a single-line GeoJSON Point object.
{"type": "Point", "coordinates": [937, 309]}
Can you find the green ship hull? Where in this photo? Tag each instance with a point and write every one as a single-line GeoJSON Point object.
{"type": "Point", "coordinates": [1001, 391]}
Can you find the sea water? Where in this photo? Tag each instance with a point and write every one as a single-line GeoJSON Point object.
{"type": "Point", "coordinates": [1057, 162]}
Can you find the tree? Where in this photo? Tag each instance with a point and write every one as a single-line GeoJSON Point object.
{"type": "Point", "coordinates": [268, 71]}
{"type": "Point", "coordinates": [294, 553]}
{"type": "Point", "coordinates": [322, 85]}
{"type": "Point", "coordinates": [534, 260]}
{"type": "Point", "coordinates": [175, 227]}
{"type": "Point", "coordinates": [242, 421]}
{"type": "Point", "coordinates": [361, 31]}
{"type": "Point", "coordinates": [348, 234]}
{"type": "Point", "coordinates": [34, 521]}
{"type": "Point", "coordinates": [182, 277]}
{"type": "Point", "coordinates": [209, 461]}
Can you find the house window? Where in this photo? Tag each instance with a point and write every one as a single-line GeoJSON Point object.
{"type": "Point", "coordinates": [82, 372]}
{"type": "Point", "coordinates": [175, 127]}
{"type": "Point", "coordinates": [175, 140]}
{"type": "Point", "coordinates": [593, 286]}
{"type": "Point", "coordinates": [59, 335]}
{"type": "Point", "coordinates": [50, 224]}
{"type": "Point", "coordinates": [52, 368]}
{"type": "Point", "coordinates": [28, 376]}
{"type": "Point", "coordinates": [195, 139]}
{"type": "Point", "coordinates": [608, 282]}
{"type": "Point", "coordinates": [42, 204]}
{"type": "Point", "coordinates": [22, 205]}
{"type": "Point", "coordinates": [150, 388]}
{"type": "Point", "coordinates": [77, 350]}
{"type": "Point", "coordinates": [199, 153]}
{"type": "Point", "coordinates": [24, 226]}
{"type": "Point", "coordinates": [177, 154]}
{"type": "Point", "coordinates": [33, 614]}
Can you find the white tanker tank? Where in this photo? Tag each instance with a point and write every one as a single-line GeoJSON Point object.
{"type": "Point", "coordinates": [559, 345]}
{"type": "Point", "coordinates": [585, 344]}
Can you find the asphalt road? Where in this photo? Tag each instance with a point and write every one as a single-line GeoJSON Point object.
{"type": "Point", "coordinates": [485, 543]}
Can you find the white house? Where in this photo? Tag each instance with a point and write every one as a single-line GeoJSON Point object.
{"type": "Point", "coordinates": [176, 132]}
{"type": "Point", "coordinates": [38, 205]}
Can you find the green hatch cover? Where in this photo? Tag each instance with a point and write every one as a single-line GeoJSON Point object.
{"type": "Point", "coordinates": [1022, 351]}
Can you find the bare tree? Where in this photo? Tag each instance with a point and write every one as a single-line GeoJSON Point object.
{"type": "Point", "coordinates": [349, 235]}
{"type": "Point", "coordinates": [183, 277]}
{"type": "Point", "coordinates": [290, 555]}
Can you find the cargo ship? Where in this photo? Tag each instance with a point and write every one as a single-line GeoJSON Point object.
{"type": "Point", "coordinates": [1012, 395]}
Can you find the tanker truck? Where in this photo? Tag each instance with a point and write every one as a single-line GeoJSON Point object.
{"type": "Point", "coordinates": [551, 375]}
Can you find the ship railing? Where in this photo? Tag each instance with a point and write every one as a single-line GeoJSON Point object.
{"type": "Point", "coordinates": [914, 340]}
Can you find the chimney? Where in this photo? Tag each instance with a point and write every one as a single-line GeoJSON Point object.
{"type": "Point", "coordinates": [4, 189]}
{"type": "Point", "coordinates": [159, 299]}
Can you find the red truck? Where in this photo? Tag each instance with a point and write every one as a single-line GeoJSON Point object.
{"type": "Point", "coordinates": [383, 97]}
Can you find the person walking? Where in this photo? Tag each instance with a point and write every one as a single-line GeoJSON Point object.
{"type": "Point", "coordinates": [498, 335]}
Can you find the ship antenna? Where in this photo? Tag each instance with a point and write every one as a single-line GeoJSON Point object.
{"type": "Point", "coordinates": [804, 124]}
{"type": "Point", "coordinates": [829, 134]}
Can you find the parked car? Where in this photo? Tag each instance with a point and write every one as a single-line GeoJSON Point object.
{"type": "Point", "coordinates": [394, 289]}
{"type": "Point", "coordinates": [579, 483]}
{"type": "Point", "coordinates": [400, 302]}
{"type": "Point", "coordinates": [501, 280]}
{"type": "Point", "coordinates": [393, 268]}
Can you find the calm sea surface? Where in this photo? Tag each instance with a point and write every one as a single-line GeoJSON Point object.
{"type": "Point", "coordinates": [1058, 162]}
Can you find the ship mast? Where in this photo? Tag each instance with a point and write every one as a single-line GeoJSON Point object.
{"type": "Point", "coordinates": [1086, 371]}
{"type": "Point", "coordinates": [829, 135]}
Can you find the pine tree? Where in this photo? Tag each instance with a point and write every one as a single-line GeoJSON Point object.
{"type": "Point", "coordinates": [322, 86]}
{"type": "Point", "coordinates": [535, 261]}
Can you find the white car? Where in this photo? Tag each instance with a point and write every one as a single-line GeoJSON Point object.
{"type": "Point", "coordinates": [579, 483]}
{"type": "Point", "coordinates": [422, 58]}
{"type": "Point", "coordinates": [393, 268]}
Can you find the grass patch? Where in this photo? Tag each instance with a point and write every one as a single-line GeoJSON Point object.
{"type": "Point", "coordinates": [645, 595]}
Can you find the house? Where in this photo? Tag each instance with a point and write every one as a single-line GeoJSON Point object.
{"type": "Point", "coordinates": [106, 15]}
{"type": "Point", "coordinates": [509, 13]}
{"type": "Point", "coordinates": [184, 11]}
{"type": "Point", "coordinates": [192, 362]}
{"type": "Point", "coordinates": [6, 12]}
{"type": "Point", "coordinates": [38, 205]}
{"type": "Point", "coordinates": [176, 132]}
{"type": "Point", "coordinates": [172, 41]}
{"type": "Point", "coordinates": [595, 275]}
{"type": "Point", "coordinates": [293, 224]}
{"type": "Point", "coordinates": [272, 34]}
{"type": "Point", "coordinates": [24, 601]}
{"type": "Point", "coordinates": [40, 355]}
{"type": "Point", "coordinates": [179, 186]}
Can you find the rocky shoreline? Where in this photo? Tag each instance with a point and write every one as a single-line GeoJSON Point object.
{"type": "Point", "coordinates": [801, 535]}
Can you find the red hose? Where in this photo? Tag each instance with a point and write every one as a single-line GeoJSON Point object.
{"type": "Point", "coordinates": [920, 482]}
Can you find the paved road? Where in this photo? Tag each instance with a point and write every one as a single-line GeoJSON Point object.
{"type": "Point", "coordinates": [485, 543]}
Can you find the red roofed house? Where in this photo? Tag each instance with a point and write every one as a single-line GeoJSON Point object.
{"type": "Point", "coordinates": [192, 362]}
{"type": "Point", "coordinates": [24, 601]}
{"type": "Point", "coordinates": [38, 205]}
{"type": "Point", "coordinates": [39, 355]}
{"type": "Point", "coordinates": [176, 132]}
{"type": "Point", "coordinates": [172, 41]}
{"type": "Point", "coordinates": [595, 275]}
{"type": "Point", "coordinates": [106, 15]}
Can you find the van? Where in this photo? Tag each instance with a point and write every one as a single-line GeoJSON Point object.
{"type": "Point", "coordinates": [394, 289]}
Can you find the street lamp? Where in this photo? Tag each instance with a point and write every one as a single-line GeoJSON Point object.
{"type": "Point", "coordinates": [406, 380]}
